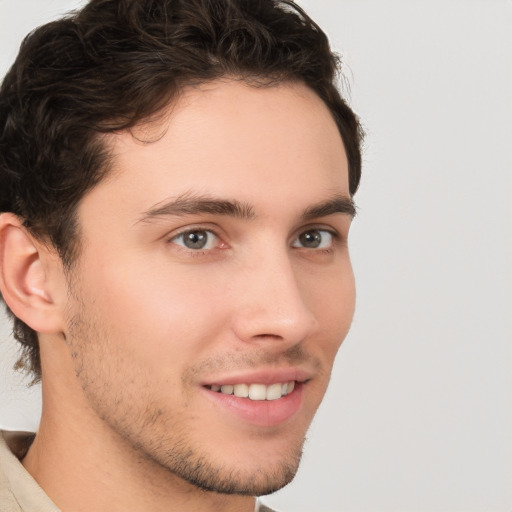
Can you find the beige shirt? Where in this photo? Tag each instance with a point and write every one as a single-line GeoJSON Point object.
{"type": "Point", "coordinates": [19, 492]}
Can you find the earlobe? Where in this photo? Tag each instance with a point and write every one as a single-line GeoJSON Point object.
{"type": "Point", "coordinates": [24, 276]}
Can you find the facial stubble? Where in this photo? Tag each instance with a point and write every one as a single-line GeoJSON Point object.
{"type": "Point", "coordinates": [160, 439]}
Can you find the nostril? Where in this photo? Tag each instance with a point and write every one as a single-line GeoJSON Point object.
{"type": "Point", "coordinates": [264, 336]}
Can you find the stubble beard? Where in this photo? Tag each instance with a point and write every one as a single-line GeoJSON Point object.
{"type": "Point", "coordinates": [142, 428]}
{"type": "Point", "coordinates": [189, 464]}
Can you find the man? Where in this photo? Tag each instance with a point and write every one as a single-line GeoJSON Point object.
{"type": "Point", "coordinates": [176, 182]}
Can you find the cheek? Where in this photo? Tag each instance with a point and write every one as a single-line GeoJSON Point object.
{"type": "Point", "coordinates": [333, 305]}
{"type": "Point", "coordinates": [167, 314]}
{"type": "Point", "coordinates": [174, 314]}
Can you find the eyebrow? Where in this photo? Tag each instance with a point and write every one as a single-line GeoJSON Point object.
{"type": "Point", "coordinates": [188, 204]}
{"type": "Point", "coordinates": [338, 204]}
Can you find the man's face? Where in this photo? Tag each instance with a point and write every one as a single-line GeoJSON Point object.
{"type": "Point", "coordinates": [213, 257]}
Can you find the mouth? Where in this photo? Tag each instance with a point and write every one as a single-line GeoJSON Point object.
{"type": "Point", "coordinates": [256, 392]}
{"type": "Point", "coordinates": [262, 399]}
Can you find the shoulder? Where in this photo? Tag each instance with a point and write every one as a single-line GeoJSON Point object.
{"type": "Point", "coordinates": [19, 492]}
{"type": "Point", "coordinates": [8, 502]}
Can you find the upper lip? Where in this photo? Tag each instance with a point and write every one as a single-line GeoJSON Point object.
{"type": "Point", "coordinates": [261, 376]}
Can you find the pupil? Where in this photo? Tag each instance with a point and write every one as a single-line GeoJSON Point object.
{"type": "Point", "coordinates": [310, 239]}
{"type": "Point", "coordinates": [195, 239]}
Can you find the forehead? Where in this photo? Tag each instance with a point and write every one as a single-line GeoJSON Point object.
{"type": "Point", "coordinates": [230, 139]}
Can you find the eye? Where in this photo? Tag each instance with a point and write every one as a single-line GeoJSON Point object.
{"type": "Point", "coordinates": [314, 239]}
{"type": "Point", "coordinates": [196, 239]}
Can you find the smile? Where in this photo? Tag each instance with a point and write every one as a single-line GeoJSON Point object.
{"type": "Point", "coordinates": [262, 399]}
{"type": "Point", "coordinates": [256, 391]}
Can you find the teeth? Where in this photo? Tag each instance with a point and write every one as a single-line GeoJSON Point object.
{"type": "Point", "coordinates": [274, 391]}
{"type": "Point", "coordinates": [226, 389]}
{"type": "Point", "coordinates": [256, 391]}
{"type": "Point", "coordinates": [241, 390]}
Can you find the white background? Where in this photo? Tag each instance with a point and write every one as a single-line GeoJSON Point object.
{"type": "Point", "coordinates": [419, 413]}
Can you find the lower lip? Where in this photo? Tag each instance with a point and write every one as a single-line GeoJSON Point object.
{"type": "Point", "coordinates": [262, 413]}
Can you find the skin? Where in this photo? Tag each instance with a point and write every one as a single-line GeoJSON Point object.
{"type": "Point", "coordinates": [142, 322]}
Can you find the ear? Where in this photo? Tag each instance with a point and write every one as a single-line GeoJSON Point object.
{"type": "Point", "coordinates": [30, 277]}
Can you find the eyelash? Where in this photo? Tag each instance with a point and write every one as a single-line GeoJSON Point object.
{"type": "Point", "coordinates": [332, 234]}
{"type": "Point", "coordinates": [189, 232]}
{"type": "Point", "coordinates": [201, 251]}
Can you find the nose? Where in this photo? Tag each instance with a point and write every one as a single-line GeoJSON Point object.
{"type": "Point", "coordinates": [272, 305]}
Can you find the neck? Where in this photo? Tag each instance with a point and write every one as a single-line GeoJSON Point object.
{"type": "Point", "coordinates": [83, 466]}
{"type": "Point", "coordinates": [68, 465]}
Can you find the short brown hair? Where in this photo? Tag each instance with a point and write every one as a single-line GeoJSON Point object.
{"type": "Point", "coordinates": [117, 62]}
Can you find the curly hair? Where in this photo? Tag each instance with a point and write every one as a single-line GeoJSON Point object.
{"type": "Point", "coordinates": [116, 63]}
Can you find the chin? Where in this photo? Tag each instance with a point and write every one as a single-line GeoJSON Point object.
{"type": "Point", "coordinates": [255, 468]}
{"type": "Point", "coordinates": [254, 481]}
